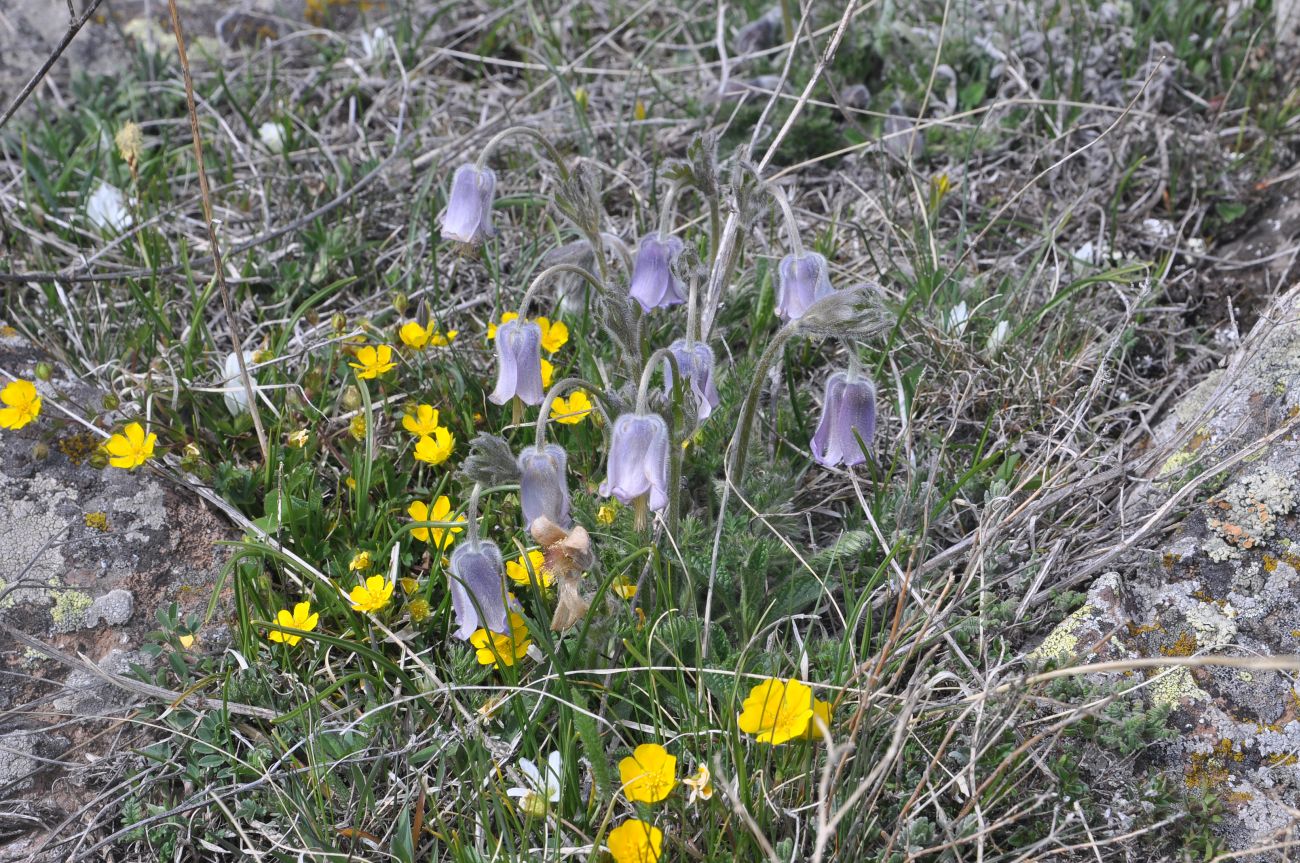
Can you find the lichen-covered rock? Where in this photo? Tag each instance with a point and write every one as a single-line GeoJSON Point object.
{"type": "Point", "coordinates": [90, 556]}
{"type": "Point", "coordinates": [1227, 582]}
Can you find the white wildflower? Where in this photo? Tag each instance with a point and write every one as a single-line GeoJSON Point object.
{"type": "Point", "coordinates": [272, 135]}
{"type": "Point", "coordinates": [107, 209]}
{"type": "Point", "coordinates": [540, 788]}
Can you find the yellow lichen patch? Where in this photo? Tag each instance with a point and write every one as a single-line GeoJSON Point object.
{"type": "Point", "coordinates": [1270, 563]}
{"type": "Point", "coordinates": [1238, 797]}
{"type": "Point", "coordinates": [1170, 559]}
{"type": "Point", "coordinates": [1184, 645]}
{"type": "Point", "coordinates": [1172, 686]}
{"type": "Point", "coordinates": [1061, 641]}
{"type": "Point", "coordinates": [1134, 630]}
{"type": "Point", "coordinates": [1281, 759]}
{"type": "Point", "coordinates": [78, 447]}
{"type": "Point", "coordinates": [97, 521]}
{"type": "Point", "coordinates": [1207, 771]}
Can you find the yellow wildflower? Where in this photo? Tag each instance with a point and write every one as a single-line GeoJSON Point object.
{"type": "Point", "coordinates": [440, 511]}
{"type": "Point", "coordinates": [638, 111]}
{"type": "Point", "coordinates": [607, 513]}
{"type": "Point", "coordinates": [554, 334]}
{"type": "Point", "coordinates": [493, 648]}
{"type": "Point", "coordinates": [701, 784]}
{"type": "Point", "coordinates": [373, 595]}
{"type": "Point", "coordinates": [821, 717]}
{"type": "Point", "coordinates": [572, 410]}
{"type": "Point", "coordinates": [624, 587]}
{"type": "Point", "coordinates": [419, 609]}
{"type": "Point", "coordinates": [186, 640]}
{"type": "Point", "coordinates": [435, 448]}
{"type": "Point", "coordinates": [357, 428]}
{"type": "Point", "coordinates": [648, 774]}
{"type": "Point", "coordinates": [131, 448]}
{"type": "Point", "coordinates": [21, 404]}
{"type": "Point", "coordinates": [360, 562]}
{"type": "Point", "coordinates": [423, 422]}
{"type": "Point", "coordinates": [505, 319]}
{"type": "Point", "coordinates": [415, 336]}
{"type": "Point", "coordinates": [635, 841]}
{"type": "Point", "coordinates": [548, 372]}
{"type": "Point", "coordinates": [299, 438]}
{"type": "Point", "coordinates": [373, 361]}
{"type": "Point", "coordinates": [777, 711]}
{"type": "Point", "coordinates": [302, 617]}
{"type": "Point", "coordinates": [519, 573]}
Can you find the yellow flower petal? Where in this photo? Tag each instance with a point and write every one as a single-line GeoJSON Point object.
{"type": "Point", "coordinates": [648, 774]}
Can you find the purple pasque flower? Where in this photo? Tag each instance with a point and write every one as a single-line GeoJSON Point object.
{"type": "Point", "coordinates": [654, 285]}
{"type": "Point", "coordinates": [468, 216]}
{"type": "Point", "coordinates": [801, 281]}
{"type": "Point", "coordinates": [478, 588]}
{"type": "Point", "coordinates": [519, 363]}
{"type": "Point", "coordinates": [848, 413]}
{"type": "Point", "coordinates": [695, 360]}
{"type": "Point", "coordinates": [543, 487]}
{"type": "Point", "coordinates": [638, 460]}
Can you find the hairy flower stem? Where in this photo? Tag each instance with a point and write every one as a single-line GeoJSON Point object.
{"type": "Point", "coordinates": [740, 441]}
{"type": "Point", "coordinates": [621, 247]}
{"type": "Point", "coordinates": [791, 224]}
{"type": "Point", "coordinates": [551, 272]}
{"type": "Point", "coordinates": [666, 211]}
{"type": "Point", "coordinates": [693, 311]}
{"type": "Point", "coordinates": [496, 139]}
{"type": "Point", "coordinates": [471, 515]}
{"type": "Point", "coordinates": [643, 391]}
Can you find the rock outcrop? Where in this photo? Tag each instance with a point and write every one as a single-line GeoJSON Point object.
{"type": "Point", "coordinates": [1226, 582]}
{"type": "Point", "coordinates": [90, 556]}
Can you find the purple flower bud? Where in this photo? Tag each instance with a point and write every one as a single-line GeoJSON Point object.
{"type": "Point", "coordinates": [543, 487]}
{"type": "Point", "coordinates": [468, 217]}
{"type": "Point", "coordinates": [653, 284]}
{"type": "Point", "coordinates": [519, 363]}
{"type": "Point", "coordinates": [695, 360]}
{"type": "Point", "coordinates": [848, 413]}
{"type": "Point", "coordinates": [800, 283]}
{"type": "Point", "coordinates": [638, 460]}
{"type": "Point", "coordinates": [478, 588]}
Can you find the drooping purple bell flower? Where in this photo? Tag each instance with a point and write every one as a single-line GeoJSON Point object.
{"type": "Point", "coordinates": [519, 363]}
{"type": "Point", "coordinates": [478, 589]}
{"type": "Point", "coordinates": [468, 217]}
{"type": "Point", "coordinates": [695, 360]}
{"type": "Point", "coordinates": [543, 487]}
{"type": "Point", "coordinates": [638, 460]}
{"type": "Point", "coordinates": [848, 413]}
{"type": "Point", "coordinates": [653, 284]}
{"type": "Point", "coordinates": [801, 281]}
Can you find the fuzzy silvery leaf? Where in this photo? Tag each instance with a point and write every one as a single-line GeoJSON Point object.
{"type": "Point", "coordinates": [571, 288]}
{"type": "Point", "coordinates": [856, 312]}
{"type": "Point", "coordinates": [759, 34]}
{"type": "Point", "coordinates": [578, 199]}
{"type": "Point", "coordinates": [490, 461]}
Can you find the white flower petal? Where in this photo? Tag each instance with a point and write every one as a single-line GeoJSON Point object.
{"type": "Point", "coordinates": [107, 209]}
